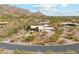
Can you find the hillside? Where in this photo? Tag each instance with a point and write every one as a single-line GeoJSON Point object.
{"type": "Point", "coordinates": [7, 9]}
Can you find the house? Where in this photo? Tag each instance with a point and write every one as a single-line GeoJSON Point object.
{"type": "Point", "coordinates": [42, 26]}
{"type": "Point", "coordinates": [69, 24]}
{"type": "Point", "coordinates": [49, 28]}
{"type": "Point", "coordinates": [2, 24]}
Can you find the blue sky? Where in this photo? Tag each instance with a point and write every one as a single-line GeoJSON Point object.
{"type": "Point", "coordinates": [52, 9]}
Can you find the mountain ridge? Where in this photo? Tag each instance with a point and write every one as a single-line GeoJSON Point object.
{"type": "Point", "coordinates": [8, 9]}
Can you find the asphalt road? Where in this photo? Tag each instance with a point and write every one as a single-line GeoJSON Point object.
{"type": "Point", "coordinates": [39, 48]}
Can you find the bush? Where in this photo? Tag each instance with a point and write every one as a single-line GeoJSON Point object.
{"type": "Point", "coordinates": [71, 36]}
{"type": "Point", "coordinates": [43, 33]}
{"type": "Point", "coordinates": [54, 37]}
{"type": "Point", "coordinates": [49, 52]}
{"type": "Point", "coordinates": [59, 31]}
{"type": "Point", "coordinates": [28, 39]}
{"type": "Point", "coordinates": [17, 51]}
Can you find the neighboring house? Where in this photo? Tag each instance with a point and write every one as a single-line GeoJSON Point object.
{"type": "Point", "coordinates": [69, 24]}
{"type": "Point", "coordinates": [2, 24]}
{"type": "Point", "coordinates": [42, 26]}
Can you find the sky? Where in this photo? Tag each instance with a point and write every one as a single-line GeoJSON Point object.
{"type": "Point", "coordinates": [52, 9]}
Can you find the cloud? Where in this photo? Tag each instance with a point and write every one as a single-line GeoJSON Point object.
{"type": "Point", "coordinates": [49, 6]}
{"type": "Point", "coordinates": [64, 5]}
{"type": "Point", "coordinates": [45, 6]}
{"type": "Point", "coordinates": [56, 9]}
{"type": "Point", "coordinates": [49, 9]}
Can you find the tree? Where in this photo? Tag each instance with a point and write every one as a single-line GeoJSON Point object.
{"type": "Point", "coordinates": [28, 28]}
{"type": "Point", "coordinates": [37, 29]}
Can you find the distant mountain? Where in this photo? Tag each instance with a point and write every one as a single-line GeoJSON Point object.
{"type": "Point", "coordinates": [7, 9]}
{"type": "Point", "coordinates": [38, 13]}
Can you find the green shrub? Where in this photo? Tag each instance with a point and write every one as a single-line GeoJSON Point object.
{"type": "Point", "coordinates": [28, 39]}
{"type": "Point", "coordinates": [17, 51]}
{"type": "Point", "coordinates": [54, 37]}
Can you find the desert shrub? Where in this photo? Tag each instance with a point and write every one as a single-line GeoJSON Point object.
{"type": "Point", "coordinates": [43, 33]}
{"type": "Point", "coordinates": [38, 42]}
{"type": "Point", "coordinates": [49, 52]}
{"type": "Point", "coordinates": [1, 51]}
{"type": "Point", "coordinates": [54, 37]}
{"type": "Point", "coordinates": [59, 31]}
{"type": "Point", "coordinates": [70, 36]}
{"type": "Point", "coordinates": [70, 52]}
{"type": "Point", "coordinates": [28, 39]}
{"type": "Point", "coordinates": [17, 51]}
